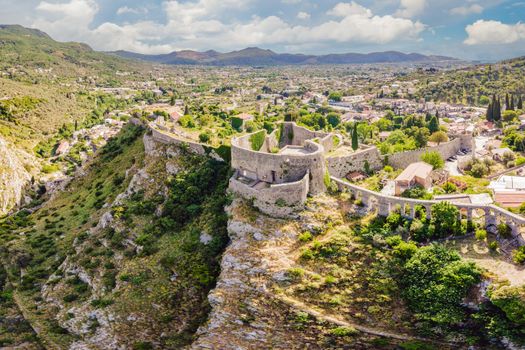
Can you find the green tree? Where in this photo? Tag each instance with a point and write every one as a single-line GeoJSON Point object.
{"type": "Point", "coordinates": [333, 119]}
{"type": "Point", "coordinates": [438, 137]}
{"type": "Point", "coordinates": [520, 103]}
{"type": "Point", "coordinates": [433, 125]}
{"type": "Point", "coordinates": [335, 96]}
{"type": "Point", "coordinates": [355, 142]}
{"type": "Point", "coordinates": [436, 281]}
{"type": "Point", "coordinates": [433, 158]}
{"type": "Point", "coordinates": [445, 219]}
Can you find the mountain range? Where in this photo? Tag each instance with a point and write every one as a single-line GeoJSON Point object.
{"type": "Point", "coordinates": [254, 56]}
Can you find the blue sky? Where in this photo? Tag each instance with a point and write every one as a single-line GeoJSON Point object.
{"type": "Point", "coordinates": [470, 29]}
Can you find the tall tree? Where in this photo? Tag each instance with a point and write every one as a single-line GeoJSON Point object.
{"type": "Point", "coordinates": [490, 112]}
{"type": "Point", "coordinates": [433, 125]}
{"type": "Point", "coordinates": [507, 103]}
{"type": "Point", "coordinates": [512, 102]}
{"type": "Point", "coordinates": [520, 103]}
{"type": "Point", "coordinates": [355, 142]}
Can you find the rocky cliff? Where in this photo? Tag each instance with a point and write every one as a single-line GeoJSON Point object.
{"type": "Point", "coordinates": [15, 175]}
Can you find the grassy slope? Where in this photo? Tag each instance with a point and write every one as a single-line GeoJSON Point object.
{"type": "Point", "coordinates": [469, 84]}
{"type": "Point", "coordinates": [50, 232]}
{"type": "Point", "coordinates": [154, 270]}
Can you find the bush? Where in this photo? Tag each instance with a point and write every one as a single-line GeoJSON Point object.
{"type": "Point", "coordinates": [435, 282]}
{"type": "Point", "coordinates": [518, 255]}
{"type": "Point", "coordinates": [504, 230]}
{"type": "Point", "coordinates": [493, 245]}
{"type": "Point", "coordinates": [433, 158]}
{"type": "Point", "coordinates": [343, 331]}
{"type": "Point", "coordinates": [305, 236]}
{"type": "Point", "coordinates": [481, 234]}
{"type": "Point", "coordinates": [204, 137]}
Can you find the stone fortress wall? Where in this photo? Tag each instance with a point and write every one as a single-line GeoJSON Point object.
{"type": "Point", "coordinates": [291, 164]}
{"type": "Point", "coordinates": [339, 166]}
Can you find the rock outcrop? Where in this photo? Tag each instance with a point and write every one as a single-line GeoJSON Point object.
{"type": "Point", "coordinates": [15, 175]}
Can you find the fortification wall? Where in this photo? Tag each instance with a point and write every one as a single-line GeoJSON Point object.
{"type": "Point", "coordinates": [280, 200]}
{"type": "Point", "coordinates": [281, 168]}
{"type": "Point", "coordinates": [403, 159]}
{"type": "Point", "coordinates": [162, 136]}
{"type": "Point", "coordinates": [342, 165]}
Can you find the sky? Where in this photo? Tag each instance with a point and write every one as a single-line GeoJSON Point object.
{"type": "Point", "coordinates": [469, 29]}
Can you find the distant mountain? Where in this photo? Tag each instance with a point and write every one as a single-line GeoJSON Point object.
{"type": "Point", "coordinates": [254, 56]}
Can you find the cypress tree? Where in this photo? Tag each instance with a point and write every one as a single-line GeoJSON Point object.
{"type": "Point", "coordinates": [433, 125]}
{"type": "Point", "coordinates": [490, 114]}
{"type": "Point", "coordinates": [512, 102]}
{"type": "Point", "coordinates": [520, 103]}
{"type": "Point", "coordinates": [507, 103]}
{"type": "Point", "coordinates": [497, 110]}
{"type": "Point", "coordinates": [437, 115]}
{"type": "Point", "coordinates": [355, 142]}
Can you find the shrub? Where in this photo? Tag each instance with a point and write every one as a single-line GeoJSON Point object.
{"type": "Point", "coordinates": [504, 230]}
{"type": "Point", "coordinates": [305, 236]}
{"type": "Point", "coordinates": [518, 255]}
{"type": "Point", "coordinates": [481, 234]}
{"type": "Point", "coordinates": [435, 282]}
{"type": "Point", "coordinates": [295, 273]}
{"type": "Point", "coordinates": [70, 297]}
{"type": "Point", "coordinates": [493, 245]}
{"type": "Point", "coordinates": [187, 121]}
{"type": "Point", "coordinates": [343, 331]}
{"type": "Point", "coordinates": [433, 158]}
{"type": "Point", "coordinates": [204, 137]}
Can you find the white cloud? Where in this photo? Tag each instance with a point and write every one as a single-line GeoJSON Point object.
{"type": "Point", "coordinates": [410, 8]}
{"type": "Point", "coordinates": [136, 11]}
{"type": "Point", "coordinates": [303, 15]}
{"type": "Point", "coordinates": [466, 10]}
{"type": "Point", "coordinates": [344, 9]}
{"type": "Point", "coordinates": [494, 32]}
{"type": "Point", "coordinates": [197, 25]}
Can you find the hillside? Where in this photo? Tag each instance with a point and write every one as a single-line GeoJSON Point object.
{"type": "Point", "coordinates": [46, 87]}
{"type": "Point", "coordinates": [472, 85]}
{"type": "Point", "coordinates": [31, 55]}
{"type": "Point", "coordinates": [254, 56]}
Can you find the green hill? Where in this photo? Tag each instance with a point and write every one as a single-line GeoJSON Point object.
{"type": "Point", "coordinates": [31, 55]}
{"type": "Point", "coordinates": [470, 85]}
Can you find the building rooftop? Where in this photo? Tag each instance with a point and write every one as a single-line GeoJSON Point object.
{"type": "Point", "coordinates": [418, 169]}
{"type": "Point", "coordinates": [508, 183]}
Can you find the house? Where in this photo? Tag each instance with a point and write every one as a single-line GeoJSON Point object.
{"type": "Point", "coordinates": [509, 191]}
{"type": "Point", "coordinates": [498, 154]}
{"type": "Point", "coordinates": [418, 173]}
{"type": "Point", "coordinates": [355, 176]}
{"type": "Point", "coordinates": [383, 135]}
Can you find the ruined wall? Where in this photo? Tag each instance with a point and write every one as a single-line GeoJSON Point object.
{"type": "Point", "coordinates": [403, 159]}
{"type": "Point", "coordinates": [194, 147]}
{"type": "Point", "coordinates": [342, 165]}
{"type": "Point", "coordinates": [281, 168]}
{"type": "Point", "coordinates": [280, 200]}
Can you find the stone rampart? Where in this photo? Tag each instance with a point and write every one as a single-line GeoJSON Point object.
{"type": "Point", "coordinates": [163, 136]}
{"type": "Point", "coordinates": [401, 160]}
{"type": "Point", "coordinates": [340, 166]}
{"type": "Point", "coordinates": [280, 200]}
{"type": "Point", "coordinates": [280, 168]}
